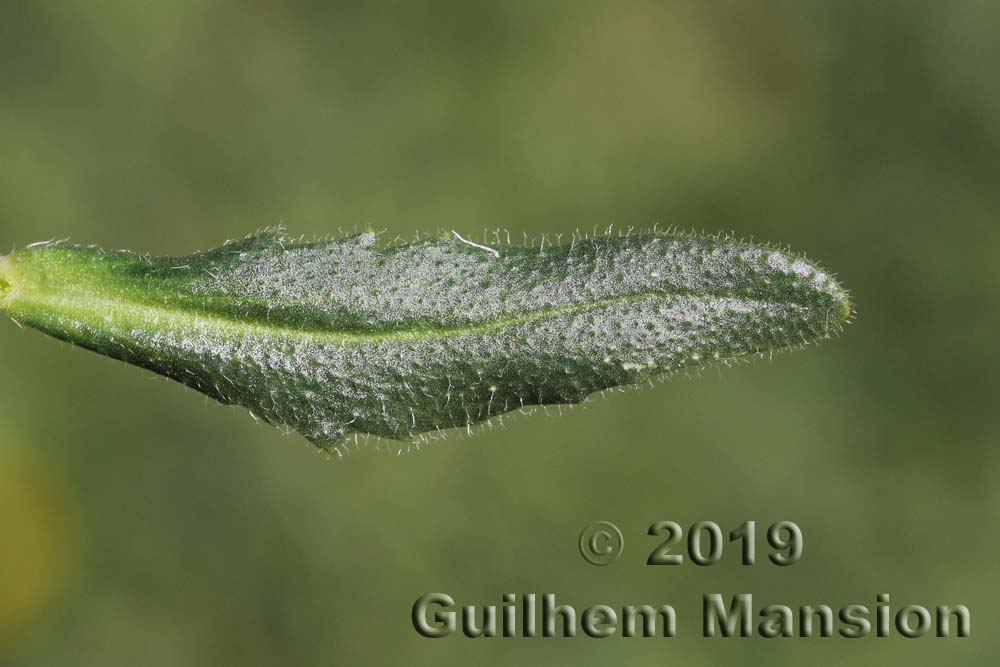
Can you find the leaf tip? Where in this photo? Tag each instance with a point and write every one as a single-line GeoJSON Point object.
{"type": "Point", "coordinates": [846, 307]}
{"type": "Point", "coordinates": [843, 307]}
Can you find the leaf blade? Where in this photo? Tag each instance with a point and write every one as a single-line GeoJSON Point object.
{"type": "Point", "coordinates": [339, 336]}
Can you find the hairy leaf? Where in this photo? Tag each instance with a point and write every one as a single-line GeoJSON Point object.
{"type": "Point", "coordinates": [342, 336]}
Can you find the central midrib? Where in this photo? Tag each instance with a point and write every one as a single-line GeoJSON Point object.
{"type": "Point", "coordinates": [97, 309]}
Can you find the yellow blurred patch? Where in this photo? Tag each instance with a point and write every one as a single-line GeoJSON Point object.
{"type": "Point", "coordinates": [34, 522]}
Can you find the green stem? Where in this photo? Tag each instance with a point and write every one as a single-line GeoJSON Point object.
{"type": "Point", "coordinates": [5, 286]}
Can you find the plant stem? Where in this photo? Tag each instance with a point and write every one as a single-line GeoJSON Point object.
{"type": "Point", "coordinates": [5, 285]}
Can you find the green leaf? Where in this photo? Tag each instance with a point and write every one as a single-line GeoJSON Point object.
{"type": "Point", "coordinates": [342, 336]}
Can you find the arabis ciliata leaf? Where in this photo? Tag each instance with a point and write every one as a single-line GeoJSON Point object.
{"type": "Point", "coordinates": [342, 336]}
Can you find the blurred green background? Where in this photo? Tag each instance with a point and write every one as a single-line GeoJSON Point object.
{"type": "Point", "coordinates": [142, 526]}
